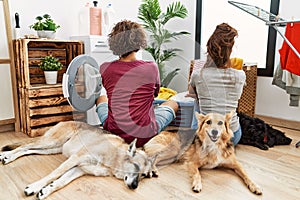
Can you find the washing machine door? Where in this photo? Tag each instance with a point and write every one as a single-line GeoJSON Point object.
{"type": "Point", "coordinates": [82, 83]}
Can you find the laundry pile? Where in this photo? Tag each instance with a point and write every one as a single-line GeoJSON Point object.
{"type": "Point", "coordinates": [260, 134]}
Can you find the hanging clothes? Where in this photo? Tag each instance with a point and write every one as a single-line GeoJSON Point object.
{"type": "Point", "coordinates": [288, 59]}
{"type": "Point", "coordinates": [288, 82]}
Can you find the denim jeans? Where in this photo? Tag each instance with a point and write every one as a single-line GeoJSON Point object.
{"type": "Point", "coordinates": [164, 115]}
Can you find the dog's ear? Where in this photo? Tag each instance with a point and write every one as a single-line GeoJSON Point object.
{"type": "Point", "coordinates": [228, 118]}
{"type": "Point", "coordinates": [200, 118]}
{"type": "Point", "coordinates": [132, 148]}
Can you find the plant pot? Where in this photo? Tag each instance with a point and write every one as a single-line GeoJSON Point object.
{"type": "Point", "coordinates": [51, 77]}
{"type": "Point", "coordinates": [46, 34]}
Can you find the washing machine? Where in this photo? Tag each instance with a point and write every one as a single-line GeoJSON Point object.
{"type": "Point", "coordinates": [82, 82]}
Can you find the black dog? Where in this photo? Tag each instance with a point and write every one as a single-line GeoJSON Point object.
{"type": "Point", "coordinates": [260, 134]}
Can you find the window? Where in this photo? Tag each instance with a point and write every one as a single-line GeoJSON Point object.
{"type": "Point", "coordinates": [256, 41]}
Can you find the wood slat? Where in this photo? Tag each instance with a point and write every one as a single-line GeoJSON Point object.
{"type": "Point", "coordinates": [46, 44]}
{"type": "Point", "coordinates": [34, 53]}
{"type": "Point", "coordinates": [35, 62]}
{"type": "Point", "coordinates": [43, 92]}
{"type": "Point", "coordinates": [50, 110]}
{"type": "Point", "coordinates": [7, 121]}
{"type": "Point", "coordinates": [5, 61]}
{"type": "Point", "coordinates": [54, 119]}
{"type": "Point", "coordinates": [36, 71]}
{"type": "Point", "coordinates": [46, 101]}
{"type": "Point", "coordinates": [7, 127]}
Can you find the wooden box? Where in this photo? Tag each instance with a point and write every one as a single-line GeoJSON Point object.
{"type": "Point", "coordinates": [42, 106]}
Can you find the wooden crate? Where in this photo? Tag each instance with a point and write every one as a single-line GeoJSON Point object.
{"type": "Point", "coordinates": [42, 106]}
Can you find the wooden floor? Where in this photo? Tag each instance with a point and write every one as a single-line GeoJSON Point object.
{"type": "Point", "coordinates": [277, 171]}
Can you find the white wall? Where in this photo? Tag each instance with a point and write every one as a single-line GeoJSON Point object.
{"type": "Point", "coordinates": [66, 13]}
{"type": "Point", "coordinates": [271, 100]}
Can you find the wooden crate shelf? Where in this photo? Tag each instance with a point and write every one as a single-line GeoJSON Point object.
{"type": "Point", "coordinates": [42, 106]}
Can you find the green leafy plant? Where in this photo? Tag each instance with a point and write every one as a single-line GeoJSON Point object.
{"type": "Point", "coordinates": [154, 21]}
{"type": "Point", "coordinates": [44, 23]}
{"type": "Point", "coordinates": [50, 63]}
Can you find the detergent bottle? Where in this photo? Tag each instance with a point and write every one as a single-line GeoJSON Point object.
{"type": "Point", "coordinates": [95, 19]}
{"type": "Point", "coordinates": [90, 20]}
{"type": "Point", "coordinates": [84, 20]}
{"type": "Point", "coordinates": [109, 19]}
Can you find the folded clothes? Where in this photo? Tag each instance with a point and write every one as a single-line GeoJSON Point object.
{"type": "Point", "coordinates": [165, 93]}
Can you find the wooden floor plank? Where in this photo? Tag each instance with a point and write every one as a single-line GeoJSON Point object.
{"type": "Point", "coordinates": [276, 170]}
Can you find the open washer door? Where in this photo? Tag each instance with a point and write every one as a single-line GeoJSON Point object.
{"type": "Point", "coordinates": [82, 83]}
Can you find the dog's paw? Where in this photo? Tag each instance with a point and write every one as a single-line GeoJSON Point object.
{"type": "Point", "coordinates": [255, 189]}
{"type": "Point", "coordinates": [5, 158]}
{"type": "Point", "coordinates": [31, 190]}
{"type": "Point", "coordinates": [2, 155]}
{"type": "Point", "coordinates": [197, 187]}
{"type": "Point", "coordinates": [44, 192]}
{"type": "Point", "coordinates": [153, 173]}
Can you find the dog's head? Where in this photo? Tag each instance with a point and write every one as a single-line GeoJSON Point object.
{"type": "Point", "coordinates": [136, 165]}
{"type": "Point", "coordinates": [214, 127]}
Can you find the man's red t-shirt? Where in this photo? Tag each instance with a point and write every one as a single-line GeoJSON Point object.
{"type": "Point", "coordinates": [131, 87]}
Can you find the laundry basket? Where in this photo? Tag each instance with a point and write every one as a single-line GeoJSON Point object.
{"type": "Point", "coordinates": [184, 115]}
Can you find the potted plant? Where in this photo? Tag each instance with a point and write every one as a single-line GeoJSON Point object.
{"type": "Point", "coordinates": [50, 65]}
{"type": "Point", "coordinates": [154, 21]}
{"type": "Point", "coordinates": [45, 26]}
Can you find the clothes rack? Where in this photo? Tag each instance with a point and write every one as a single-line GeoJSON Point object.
{"type": "Point", "coordinates": [270, 19]}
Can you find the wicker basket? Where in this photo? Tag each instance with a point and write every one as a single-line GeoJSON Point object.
{"type": "Point", "coordinates": [247, 100]}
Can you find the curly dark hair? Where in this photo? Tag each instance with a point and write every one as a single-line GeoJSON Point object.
{"type": "Point", "coordinates": [126, 37]}
{"type": "Point", "coordinates": [219, 46]}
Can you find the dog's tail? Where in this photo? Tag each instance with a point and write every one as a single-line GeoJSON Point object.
{"type": "Point", "coordinates": [11, 147]}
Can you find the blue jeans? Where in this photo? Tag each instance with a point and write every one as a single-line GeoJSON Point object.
{"type": "Point", "coordinates": [164, 115]}
{"type": "Point", "coordinates": [237, 136]}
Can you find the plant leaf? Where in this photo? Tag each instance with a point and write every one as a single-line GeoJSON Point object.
{"type": "Point", "coordinates": [167, 54]}
{"type": "Point", "coordinates": [149, 12]}
{"type": "Point", "coordinates": [175, 9]}
{"type": "Point", "coordinates": [166, 81]}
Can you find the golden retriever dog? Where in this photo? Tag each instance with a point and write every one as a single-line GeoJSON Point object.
{"type": "Point", "coordinates": [210, 147]}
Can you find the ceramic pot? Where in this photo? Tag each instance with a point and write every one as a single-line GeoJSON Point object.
{"type": "Point", "coordinates": [51, 77]}
{"type": "Point", "coordinates": [46, 34]}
